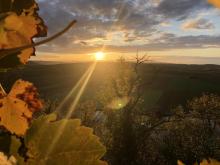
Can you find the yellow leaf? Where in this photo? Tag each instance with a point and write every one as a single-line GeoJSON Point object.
{"type": "Point", "coordinates": [25, 55]}
{"type": "Point", "coordinates": [14, 39]}
{"type": "Point", "coordinates": [12, 115]}
{"type": "Point", "coordinates": [210, 162]}
{"type": "Point", "coordinates": [3, 37]}
{"type": "Point", "coordinates": [15, 111]}
{"type": "Point", "coordinates": [216, 3]}
{"type": "Point", "coordinates": [18, 30]}
{"type": "Point", "coordinates": [204, 162]}
{"type": "Point", "coordinates": [4, 160]}
{"type": "Point", "coordinates": [25, 25]}
{"type": "Point", "coordinates": [180, 163]}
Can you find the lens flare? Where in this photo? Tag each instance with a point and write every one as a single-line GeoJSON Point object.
{"type": "Point", "coordinates": [118, 103]}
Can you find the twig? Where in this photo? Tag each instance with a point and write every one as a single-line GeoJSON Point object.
{"type": "Point", "coordinates": [2, 91]}
{"type": "Point", "coordinates": [7, 52]}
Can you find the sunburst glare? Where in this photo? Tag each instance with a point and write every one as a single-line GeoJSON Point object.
{"type": "Point", "coordinates": [72, 107]}
{"type": "Point", "coordinates": [99, 56]}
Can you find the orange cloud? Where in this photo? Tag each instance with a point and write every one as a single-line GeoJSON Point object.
{"type": "Point", "coordinates": [198, 24]}
{"type": "Point", "coordinates": [216, 3]}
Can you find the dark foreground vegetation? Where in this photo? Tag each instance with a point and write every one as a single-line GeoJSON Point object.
{"type": "Point", "coordinates": [143, 113]}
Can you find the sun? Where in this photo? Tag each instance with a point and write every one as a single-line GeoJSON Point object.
{"type": "Point", "coordinates": [99, 56]}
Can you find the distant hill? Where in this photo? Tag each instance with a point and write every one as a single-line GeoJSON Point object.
{"type": "Point", "coordinates": [168, 84]}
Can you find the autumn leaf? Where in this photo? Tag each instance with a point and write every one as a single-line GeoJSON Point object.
{"type": "Point", "coordinates": [17, 6]}
{"type": "Point", "coordinates": [204, 162]}
{"type": "Point", "coordinates": [17, 107]}
{"type": "Point", "coordinates": [76, 146]}
{"type": "Point", "coordinates": [26, 25]}
{"type": "Point", "coordinates": [180, 163]}
{"type": "Point", "coordinates": [12, 39]}
{"type": "Point", "coordinates": [18, 28]}
{"type": "Point", "coordinates": [210, 162]}
{"type": "Point", "coordinates": [3, 38]}
{"type": "Point", "coordinates": [4, 160]}
{"type": "Point", "coordinates": [216, 3]}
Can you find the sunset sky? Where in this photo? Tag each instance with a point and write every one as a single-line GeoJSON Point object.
{"type": "Point", "coordinates": [180, 31]}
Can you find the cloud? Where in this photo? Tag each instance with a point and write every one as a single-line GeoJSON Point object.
{"type": "Point", "coordinates": [198, 24]}
{"type": "Point", "coordinates": [99, 14]}
{"type": "Point", "coordinates": [166, 41]}
{"type": "Point", "coordinates": [132, 22]}
{"type": "Point", "coordinates": [180, 9]}
{"type": "Point", "coordinates": [97, 18]}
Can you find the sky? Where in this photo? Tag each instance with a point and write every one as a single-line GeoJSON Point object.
{"type": "Point", "coordinates": [177, 31]}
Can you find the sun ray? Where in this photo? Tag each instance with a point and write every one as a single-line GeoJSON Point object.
{"type": "Point", "coordinates": [71, 110]}
{"type": "Point", "coordinates": [121, 7]}
{"type": "Point", "coordinates": [76, 100]}
{"type": "Point", "coordinates": [74, 89]}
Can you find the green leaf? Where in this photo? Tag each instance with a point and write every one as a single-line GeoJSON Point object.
{"type": "Point", "coordinates": [14, 146]}
{"type": "Point", "coordinates": [77, 144]}
{"type": "Point", "coordinates": [14, 149]}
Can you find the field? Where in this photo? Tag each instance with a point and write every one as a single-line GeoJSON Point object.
{"type": "Point", "coordinates": [168, 85]}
